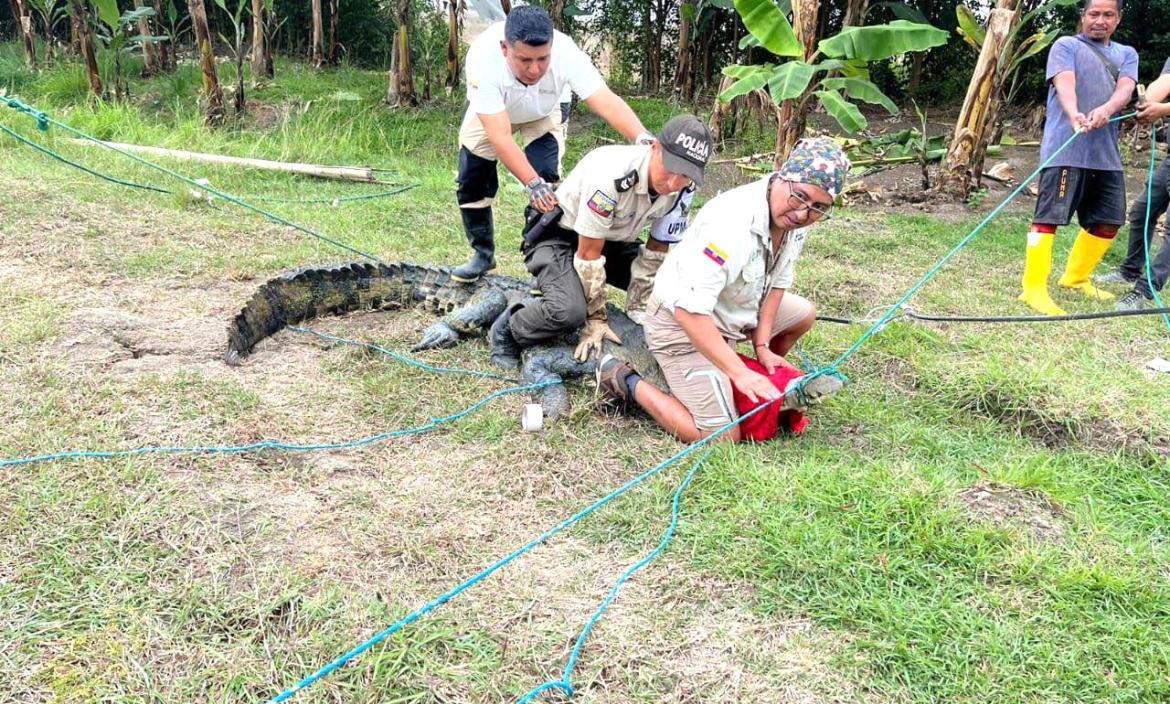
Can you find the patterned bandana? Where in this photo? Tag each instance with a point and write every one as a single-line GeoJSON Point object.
{"type": "Point", "coordinates": [817, 161]}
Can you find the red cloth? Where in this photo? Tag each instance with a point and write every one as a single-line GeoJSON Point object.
{"type": "Point", "coordinates": [766, 424]}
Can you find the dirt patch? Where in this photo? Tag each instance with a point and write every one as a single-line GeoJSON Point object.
{"type": "Point", "coordinates": [1030, 418]}
{"type": "Point", "coordinates": [1007, 507]}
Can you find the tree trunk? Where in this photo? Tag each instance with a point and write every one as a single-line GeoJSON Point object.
{"type": "Point", "coordinates": [963, 168]}
{"type": "Point", "coordinates": [917, 59]}
{"type": "Point", "coordinates": [403, 76]}
{"type": "Point", "coordinates": [506, 5]}
{"type": "Point", "coordinates": [317, 52]}
{"type": "Point", "coordinates": [74, 38]}
{"type": "Point", "coordinates": [334, 53]}
{"type": "Point", "coordinates": [80, 25]}
{"type": "Point", "coordinates": [723, 115]}
{"type": "Point", "coordinates": [684, 76]}
{"type": "Point", "coordinates": [392, 88]}
{"type": "Point", "coordinates": [164, 52]}
{"type": "Point", "coordinates": [793, 114]}
{"type": "Point", "coordinates": [556, 12]}
{"type": "Point", "coordinates": [704, 50]}
{"type": "Point", "coordinates": [259, 43]}
{"type": "Point", "coordinates": [646, 82]}
{"type": "Point", "coordinates": [270, 26]}
{"type": "Point", "coordinates": [23, 20]}
{"type": "Point", "coordinates": [855, 13]}
{"type": "Point", "coordinates": [239, 102]}
{"type": "Point", "coordinates": [656, 43]}
{"type": "Point", "coordinates": [212, 92]}
{"type": "Point", "coordinates": [149, 49]}
{"type": "Point", "coordinates": [452, 44]}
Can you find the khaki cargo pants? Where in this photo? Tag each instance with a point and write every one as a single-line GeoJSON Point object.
{"type": "Point", "coordinates": [695, 380]}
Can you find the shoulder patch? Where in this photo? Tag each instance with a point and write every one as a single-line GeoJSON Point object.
{"type": "Point", "coordinates": [602, 204]}
{"type": "Point", "coordinates": [715, 254]}
{"type": "Point", "coordinates": [626, 182]}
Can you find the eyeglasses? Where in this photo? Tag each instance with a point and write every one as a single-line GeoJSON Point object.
{"type": "Point", "coordinates": [798, 201]}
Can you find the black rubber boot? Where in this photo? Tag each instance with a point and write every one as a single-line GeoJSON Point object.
{"type": "Point", "coordinates": [505, 351]}
{"type": "Point", "coordinates": [477, 222]}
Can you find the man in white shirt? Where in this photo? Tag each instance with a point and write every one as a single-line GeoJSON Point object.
{"type": "Point", "coordinates": [517, 72]}
{"type": "Point", "coordinates": [726, 282]}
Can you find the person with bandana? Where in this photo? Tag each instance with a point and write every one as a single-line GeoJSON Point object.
{"type": "Point", "coordinates": [728, 282]}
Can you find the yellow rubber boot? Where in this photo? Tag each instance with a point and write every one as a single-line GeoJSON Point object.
{"type": "Point", "coordinates": [1037, 267]}
{"type": "Point", "coordinates": [1086, 254]}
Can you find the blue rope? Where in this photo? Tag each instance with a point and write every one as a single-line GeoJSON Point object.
{"type": "Point", "coordinates": [277, 444]}
{"type": "Point", "coordinates": [1146, 234]}
{"type": "Point", "coordinates": [564, 683]}
{"type": "Point", "coordinates": [403, 358]}
{"type": "Point", "coordinates": [54, 155]}
{"type": "Point", "coordinates": [950, 255]}
{"type": "Point", "coordinates": [44, 119]}
{"type": "Point", "coordinates": [885, 319]}
{"type": "Point", "coordinates": [41, 118]}
{"type": "Point", "coordinates": [508, 559]}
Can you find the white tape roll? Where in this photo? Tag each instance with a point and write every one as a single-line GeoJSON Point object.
{"type": "Point", "coordinates": [532, 419]}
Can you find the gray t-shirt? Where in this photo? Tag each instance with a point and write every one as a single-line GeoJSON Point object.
{"type": "Point", "coordinates": [1096, 149]}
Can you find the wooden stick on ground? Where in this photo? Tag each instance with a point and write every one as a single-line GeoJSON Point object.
{"type": "Point", "coordinates": [342, 173]}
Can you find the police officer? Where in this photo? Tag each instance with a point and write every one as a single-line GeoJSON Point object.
{"type": "Point", "coordinates": [517, 74]}
{"type": "Point", "coordinates": [604, 203]}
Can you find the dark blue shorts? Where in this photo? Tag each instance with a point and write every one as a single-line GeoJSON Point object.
{"type": "Point", "coordinates": [1097, 197]}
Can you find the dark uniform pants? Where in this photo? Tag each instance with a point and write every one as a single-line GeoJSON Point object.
{"type": "Point", "coordinates": [478, 178]}
{"type": "Point", "coordinates": [1134, 266]}
{"type": "Point", "coordinates": [561, 305]}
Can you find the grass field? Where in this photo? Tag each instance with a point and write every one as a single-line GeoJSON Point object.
{"type": "Point", "coordinates": [981, 515]}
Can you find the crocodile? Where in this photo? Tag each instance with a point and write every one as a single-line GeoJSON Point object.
{"type": "Point", "coordinates": [467, 310]}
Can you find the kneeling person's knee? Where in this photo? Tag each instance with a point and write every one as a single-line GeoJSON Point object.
{"type": "Point", "coordinates": [566, 314]}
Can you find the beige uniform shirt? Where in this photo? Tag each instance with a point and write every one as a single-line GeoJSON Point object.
{"type": "Point", "coordinates": [607, 195]}
{"type": "Point", "coordinates": [724, 265]}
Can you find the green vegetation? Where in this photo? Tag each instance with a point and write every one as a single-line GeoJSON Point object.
{"type": "Point", "coordinates": [856, 563]}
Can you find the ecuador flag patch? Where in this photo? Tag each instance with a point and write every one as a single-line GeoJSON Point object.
{"type": "Point", "coordinates": [715, 254]}
{"type": "Point", "coordinates": [602, 204]}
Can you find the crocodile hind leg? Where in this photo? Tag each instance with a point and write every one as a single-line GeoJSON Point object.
{"type": "Point", "coordinates": [471, 319]}
{"type": "Point", "coordinates": [553, 364]}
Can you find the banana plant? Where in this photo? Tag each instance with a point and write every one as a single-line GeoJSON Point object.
{"type": "Point", "coordinates": [239, 50]}
{"type": "Point", "coordinates": [974, 33]}
{"type": "Point", "coordinates": [177, 24]}
{"type": "Point", "coordinates": [51, 13]}
{"type": "Point", "coordinates": [836, 75]}
{"type": "Point", "coordinates": [117, 37]}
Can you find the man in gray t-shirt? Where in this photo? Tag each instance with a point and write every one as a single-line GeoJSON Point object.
{"type": "Point", "coordinates": [1144, 214]}
{"type": "Point", "coordinates": [1091, 78]}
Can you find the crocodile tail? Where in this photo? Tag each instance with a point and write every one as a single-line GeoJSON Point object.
{"type": "Point", "coordinates": [311, 293]}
